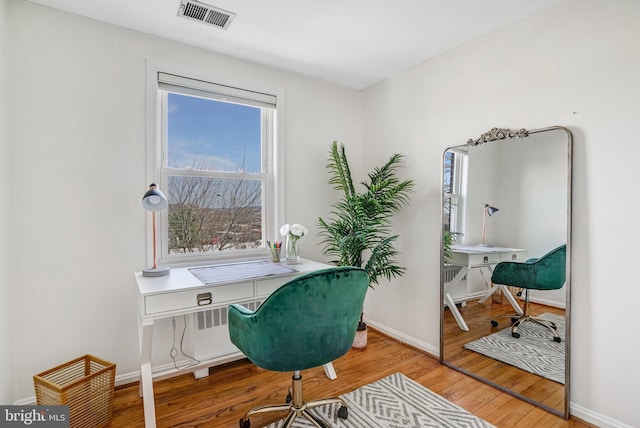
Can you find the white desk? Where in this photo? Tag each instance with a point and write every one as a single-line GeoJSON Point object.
{"type": "Point", "coordinates": [482, 258]}
{"type": "Point", "coordinates": [180, 293]}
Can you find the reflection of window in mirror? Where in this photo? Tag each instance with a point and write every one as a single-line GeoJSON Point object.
{"type": "Point", "coordinates": [454, 181]}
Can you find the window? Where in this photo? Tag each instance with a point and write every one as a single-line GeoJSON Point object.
{"type": "Point", "coordinates": [454, 190]}
{"type": "Point", "coordinates": [216, 167]}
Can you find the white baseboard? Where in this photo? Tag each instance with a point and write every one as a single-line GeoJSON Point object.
{"type": "Point", "coordinates": [29, 401]}
{"type": "Point", "coordinates": [598, 419]}
{"type": "Point", "coordinates": [395, 334]}
{"type": "Point", "coordinates": [552, 303]}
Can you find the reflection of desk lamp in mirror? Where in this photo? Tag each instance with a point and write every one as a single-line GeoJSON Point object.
{"type": "Point", "coordinates": [488, 209]}
{"type": "Point", "coordinates": [154, 200]}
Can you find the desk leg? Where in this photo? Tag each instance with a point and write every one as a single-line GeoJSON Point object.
{"type": "Point", "coordinates": [456, 279]}
{"type": "Point", "coordinates": [145, 332]}
{"type": "Point", "coordinates": [511, 299]}
{"type": "Point", "coordinates": [491, 288]}
{"type": "Point", "coordinates": [506, 293]}
{"type": "Point", "coordinates": [146, 382]}
{"type": "Point", "coordinates": [329, 371]}
{"type": "Point", "coordinates": [455, 312]}
{"type": "Point", "coordinates": [488, 294]}
{"type": "Point", "coordinates": [488, 269]}
{"type": "Point", "coordinates": [448, 300]}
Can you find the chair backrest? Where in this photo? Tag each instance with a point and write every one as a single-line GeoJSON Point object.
{"type": "Point", "coordinates": [548, 272]}
{"type": "Point", "coordinates": [309, 321]}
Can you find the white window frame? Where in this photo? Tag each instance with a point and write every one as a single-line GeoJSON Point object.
{"type": "Point", "coordinates": [457, 197]}
{"type": "Point", "coordinates": [272, 168]}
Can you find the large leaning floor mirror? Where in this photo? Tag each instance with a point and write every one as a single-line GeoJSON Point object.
{"type": "Point", "coordinates": [505, 275]}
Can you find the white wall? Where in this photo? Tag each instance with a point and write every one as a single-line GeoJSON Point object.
{"type": "Point", "coordinates": [6, 376]}
{"type": "Point", "coordinates": [575, 65]}
{"type": "Point", "coordinates": [535, 196]}
{"type": "Point", "coordinates": [77, 98]}
{"type": "Point", "coordinates": [527, 180]}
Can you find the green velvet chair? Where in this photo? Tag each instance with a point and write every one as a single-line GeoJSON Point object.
{"type": "Point", "coordinates": [309, 321]}
{"type": "Point", "coordinates": [545, 273]}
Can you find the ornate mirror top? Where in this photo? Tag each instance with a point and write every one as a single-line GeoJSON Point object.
{"type": "Point", "coordinates": [498, 134]}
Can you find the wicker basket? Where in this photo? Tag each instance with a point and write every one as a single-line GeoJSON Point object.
{"type": "Point", "coordinates": [85, 384]}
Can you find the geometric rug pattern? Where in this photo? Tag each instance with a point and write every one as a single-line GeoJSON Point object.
{"type": "Point", "coordinates": [394, 402]}
{"type": "Point", "coordinates": [535, 351]}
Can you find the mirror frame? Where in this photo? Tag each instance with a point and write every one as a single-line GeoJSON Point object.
{"type": "Point", "coordinates": [497, 134]}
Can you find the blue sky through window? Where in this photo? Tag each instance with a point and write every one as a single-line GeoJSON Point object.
{"type": "Point", "coordinates": [209, 134]}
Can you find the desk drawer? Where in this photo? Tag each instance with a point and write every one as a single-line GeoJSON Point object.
{"type": "Point", "coordinates": [480, 259]}
{"type": "Point", "coordinates": [181, 300]}
{"type": "Point", "coordinates": [516, 256]}
{"type": "Point", "coordinates": [267, 286]}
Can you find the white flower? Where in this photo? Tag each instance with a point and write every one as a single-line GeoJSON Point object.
{"type": "Point", "coordinates": [299, 230]}
{"type": "Point", "coordinates": [284, 230]}
{"type": "Point", "coordinates": [295, 230]}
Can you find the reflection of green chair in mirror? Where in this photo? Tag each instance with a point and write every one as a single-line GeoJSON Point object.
{"type": "Point", "coordinates": [545, 273]}
{"type": "Point", "coordinates": [308, 322]}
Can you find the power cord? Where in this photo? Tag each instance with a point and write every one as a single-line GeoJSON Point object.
{"type": "Point", "coordinates": [173, 353]}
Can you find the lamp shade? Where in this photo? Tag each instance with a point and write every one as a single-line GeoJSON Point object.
{"type": "Point", "coordinates": [154, 199]}
{"type": "Point", "coordinates": [490, 210]}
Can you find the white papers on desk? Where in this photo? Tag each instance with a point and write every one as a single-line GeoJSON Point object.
{"type": "Point", "coordinates": [238, 271]}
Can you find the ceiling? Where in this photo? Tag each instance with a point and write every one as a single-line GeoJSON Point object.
{"type": "Point", "coordinates": [354, 43]}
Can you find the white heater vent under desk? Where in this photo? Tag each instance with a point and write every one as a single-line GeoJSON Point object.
{"type": "Point", "coordinates": [458, 292]}
{"type": "Point", "coordinates": [211, 334]}
{"type": "Point", "coordinates": [450, 272]}
{"type": "Point", "coordinates": [219, 316]}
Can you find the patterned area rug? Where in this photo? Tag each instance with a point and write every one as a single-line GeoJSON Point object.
{"type": "Point", "coordinates": [394, 402]}
{"type": "Point", "coordinates": [535, 351]}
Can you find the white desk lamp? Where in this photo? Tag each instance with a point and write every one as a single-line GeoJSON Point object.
{"type": "Point", "coordinates": [154, 200]}
{"type": "Point", "coordinates": [488, 209]}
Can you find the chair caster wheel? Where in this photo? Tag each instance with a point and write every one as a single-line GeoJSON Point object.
{"type": "Point", "coordinates": [494, 323]}
{"type": "Point", "coordinates": [343, 412]}
{"type": "Point", "coordinates": [288, 399]}
{"type": "Point", "coordinates": [244, 423]}
{"type": "Point", "coordinates": [516, 335]}
{"type": "Point", "coordinates": [557, 339]}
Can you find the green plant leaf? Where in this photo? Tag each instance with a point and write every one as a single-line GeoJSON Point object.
{"type": "Point", "coordinates": [358, 231]}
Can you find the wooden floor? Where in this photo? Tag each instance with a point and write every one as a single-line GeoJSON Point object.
{"type": "Point", "coordinates": [477, 317]}
{"type": "Point", "coordinates": [221, 399]}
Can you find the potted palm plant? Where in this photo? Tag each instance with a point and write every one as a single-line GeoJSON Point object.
{"type": "Point", "coordinates": [359, 232]}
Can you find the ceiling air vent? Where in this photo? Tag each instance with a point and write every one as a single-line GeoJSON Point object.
{"type": "Point", "coordinates": [206, 14]}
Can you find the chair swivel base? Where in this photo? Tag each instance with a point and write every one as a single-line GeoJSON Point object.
{"type": "Point", "coordinates": [518, 320]}
{"type": "Point", "coordinates": [297, 407]}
